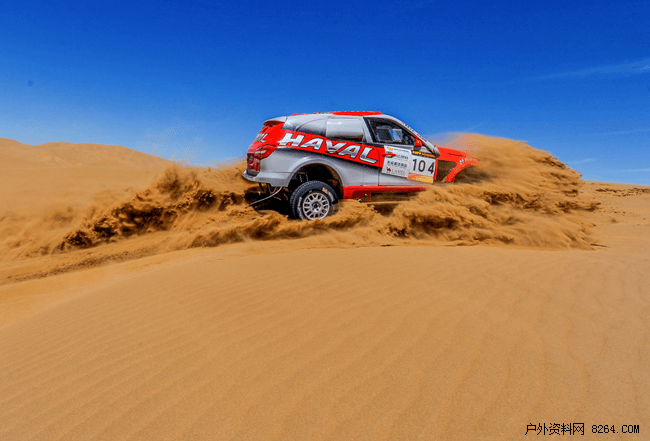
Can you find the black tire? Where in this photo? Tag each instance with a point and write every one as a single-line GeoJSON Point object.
{"type": "Point", "coordinates": [313, 200]}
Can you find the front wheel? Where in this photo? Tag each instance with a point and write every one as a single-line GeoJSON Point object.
{"type": "Point", "coordinates": [312, 200]}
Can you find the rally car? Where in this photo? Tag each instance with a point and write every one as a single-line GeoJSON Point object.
{"type": "Point", "coordinates": [309, 162]}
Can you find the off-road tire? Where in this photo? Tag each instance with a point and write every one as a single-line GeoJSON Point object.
{"type": "Point", "coordinates": [312, 200]}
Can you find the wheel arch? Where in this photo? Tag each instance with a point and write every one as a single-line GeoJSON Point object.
{"type": "Point", "coordinates": [466, 173]}
{"type": "Point", "coordinates": [315, 170]}
{"type": "Point", "coordinates": [451, 176]}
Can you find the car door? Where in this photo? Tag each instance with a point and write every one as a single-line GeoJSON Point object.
{"type": "Point", "coordinates": [404, 164]}
{"type": "Point", "coordinates": [353, 163]}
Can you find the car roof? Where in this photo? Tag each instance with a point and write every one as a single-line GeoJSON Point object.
{"type": "Point", "coordinates": [356, 113]}
{"type": "Point", "coordinates": [318, 115]}
{"type": "Point", "coordinates": [343, 113]}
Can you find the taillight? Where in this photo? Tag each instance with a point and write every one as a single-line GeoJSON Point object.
{"type": "Point", "coordinates": [255, 157]}
{"type": "Point", "coordinates": [253, 163]}
{"type": "Point", "coordinates": [263, 152]}
{"type": "Point", "coordinates": [264, 144]}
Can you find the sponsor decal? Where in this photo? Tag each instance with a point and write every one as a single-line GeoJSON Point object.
{"type": "Point", "coordinates": [332, 148]}
{"type": "Point", "coordinates": [290, 139]}
{"type": "Point", "coordinates": [261, 137]}
{"type": "Point", "coordinates": [364, 156]}
{"type": "Point", "coordinates": [352, 151]}
{"type": "Point", "coordinates": [404, 163]}
{"type": "Point", "coordinates": [422, 169]}
{"type": "Point", "coordinates": [338, 148]}
{"type": "Point", "coordinates": [314, 143]}
{"type": "Point", "coordinates": [397, 163]}
{"type": "Point", "coordinates": [425, 154]}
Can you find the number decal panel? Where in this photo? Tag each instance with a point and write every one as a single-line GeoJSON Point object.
{"type": "Point", "coordinates": [409, 165]}
{"type": "Point", "coordinates": [422, 168]}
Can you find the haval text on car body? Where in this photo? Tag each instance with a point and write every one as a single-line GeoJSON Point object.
{"type": "Point", "coordinates": [311, 161]}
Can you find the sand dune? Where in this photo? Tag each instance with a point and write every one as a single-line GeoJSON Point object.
{"type": "Point", "coordinates": [65, 154]}
{"type": "Point", "coordinates": [62, 173]}
{"type": "Point", "coordinates": [170, 310]}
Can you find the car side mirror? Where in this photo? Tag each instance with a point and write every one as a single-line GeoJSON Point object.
{"type": "Point", "coordinates": [418, 142]}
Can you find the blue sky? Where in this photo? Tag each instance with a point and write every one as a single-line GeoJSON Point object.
{"type": "Point", "coordinates": [195, 80]}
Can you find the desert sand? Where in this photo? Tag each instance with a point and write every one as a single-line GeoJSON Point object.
{"type": "Point", "coordinates": [145, 300]}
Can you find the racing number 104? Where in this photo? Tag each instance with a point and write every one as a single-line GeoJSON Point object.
{"type": "Point", "coordinates": [420, 165]}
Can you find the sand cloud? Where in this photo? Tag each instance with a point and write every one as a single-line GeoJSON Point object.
{"type": "Point", "coordinates": [522, 196]}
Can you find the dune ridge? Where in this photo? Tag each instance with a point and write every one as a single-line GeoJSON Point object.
{"type": "Point", "coordinates": [65, 154]}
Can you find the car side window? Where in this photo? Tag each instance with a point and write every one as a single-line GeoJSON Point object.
{"type": "Point", "coordinates": [306, 125]}
{"type": "Point", "coordinates": [316, 127]}
{"type": "Point", "coordinates": [388, 132]}
{"type": "Point", "coordinates": [347, 129]}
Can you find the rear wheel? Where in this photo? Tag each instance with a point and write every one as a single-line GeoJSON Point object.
{"type": "Point", "coordinates": [312, 200]}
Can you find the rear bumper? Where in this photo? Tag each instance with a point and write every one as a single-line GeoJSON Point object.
{"type": "Point", "coordinates": [273, 179]}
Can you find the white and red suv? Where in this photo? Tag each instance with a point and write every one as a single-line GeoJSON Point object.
{"type": "Point", "coordinates": [311, 161]}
